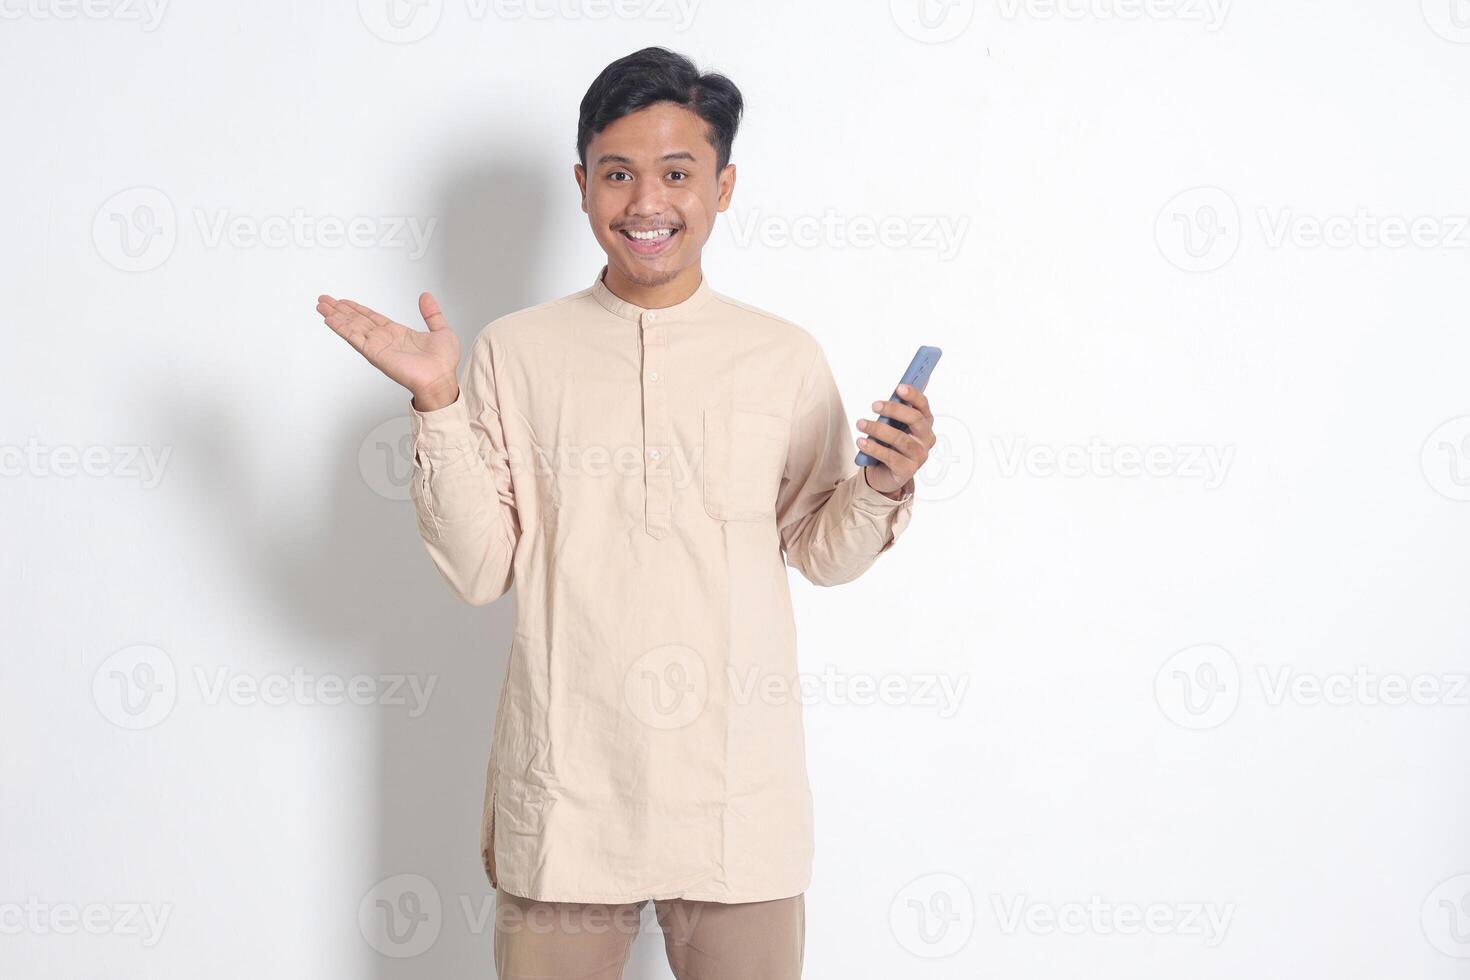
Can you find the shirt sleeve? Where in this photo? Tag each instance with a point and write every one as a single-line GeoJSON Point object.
{"type": "Point", "coordinates": [461, 486]}
{"type": "Point", "coordinates": [833, 525]}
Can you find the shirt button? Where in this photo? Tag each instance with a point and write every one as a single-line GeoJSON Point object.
{"type": "Point", "coordinates": [653, 454]}
{"type": "Point", "coordinates": [652, 375]}
{"type": "Point", "coordinates": [653, 316]}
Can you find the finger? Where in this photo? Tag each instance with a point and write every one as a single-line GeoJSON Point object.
{"type": "Point", "coordinates": [335, 314]}
{"type": "Point", "coordinates": [906, 414]}
{"type": "Point", "coordinates": [349, 324]}
{"type": "Point", "coordinates": [922, 426]}
{"type": "Point", "coordinates": [894, 437]}
{"type": "Point", "coordinates": [898, 464]}
{"type": "Point", "coordinates": [429, 310]}
{"type": "Point", "coordinates": [916, 398]}
{"type": "Point", "coordinates": [343, 318]}
{"type": "Point", "coordinates": [913, 448]}
{"type": "Point", "coordinates": [377, 319]}
{"type": "Point", "coordinates": [326, 304]}
{"type": "Point", "coordinates": [336, 317]}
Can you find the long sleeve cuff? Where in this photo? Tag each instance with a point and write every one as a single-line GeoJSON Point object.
{"type": "Point", "coordinates": [865, 489]}
{"type": "Point", "coordinates": [881, 510]}
{"type": "Point", "coordinates": [442, 429]}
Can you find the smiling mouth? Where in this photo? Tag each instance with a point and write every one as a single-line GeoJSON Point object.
{"type": "Point", "coordinates": [648, 242]}
{"type": "Point", "coordinates": [653, 235]}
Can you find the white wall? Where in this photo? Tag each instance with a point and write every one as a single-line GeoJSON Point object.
{"type": "Point", "coordinates": [1304, 522]}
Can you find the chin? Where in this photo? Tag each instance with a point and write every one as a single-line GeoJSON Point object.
{"type": "Point", "coordinates": [649, 275]}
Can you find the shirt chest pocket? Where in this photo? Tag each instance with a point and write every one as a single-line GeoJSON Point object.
{"type": "Point", "coordinates": [744, 456]}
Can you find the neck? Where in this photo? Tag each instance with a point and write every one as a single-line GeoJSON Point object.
{"type": "Point", "coordinates": [655, 295]}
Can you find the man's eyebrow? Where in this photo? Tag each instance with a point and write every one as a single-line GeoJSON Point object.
{"type": "Point", "coordinates": [615, 158]}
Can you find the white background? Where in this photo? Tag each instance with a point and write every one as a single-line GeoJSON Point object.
{"type": "Point", "coordinates": [1132, 192]}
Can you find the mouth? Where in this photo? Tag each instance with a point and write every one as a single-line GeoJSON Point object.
{"type": "Point", "coordinates": [649, 242]}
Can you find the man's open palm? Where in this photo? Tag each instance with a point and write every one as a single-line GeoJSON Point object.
{"type": "Point", "coordinates": [423, 362]}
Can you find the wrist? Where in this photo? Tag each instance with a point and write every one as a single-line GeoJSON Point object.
{"type": "Point", "coordinates": [890, 494]}
{"type": "Point", "coordinates": [437, 396]}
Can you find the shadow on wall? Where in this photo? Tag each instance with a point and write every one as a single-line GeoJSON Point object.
{"type": "Point", "coordinates": [431, 770]}
{"type": "Point", "coordinates": [348, 574]}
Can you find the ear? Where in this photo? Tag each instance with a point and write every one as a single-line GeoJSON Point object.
{"type": "Point", "coordinates": [727, 186]}
{"type": "Point", "coordinates": [581, 176]}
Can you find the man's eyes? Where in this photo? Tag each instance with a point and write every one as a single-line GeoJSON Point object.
{"type": "Point", "coordinates": [623, 173]}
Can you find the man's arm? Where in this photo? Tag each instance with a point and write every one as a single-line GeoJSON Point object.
{"type": "Point", "coordinates": [461, 486]}
{"type": "Point", "coordinates": [833, 523]}
{"type": "Point", "coordinates": [460, 482]}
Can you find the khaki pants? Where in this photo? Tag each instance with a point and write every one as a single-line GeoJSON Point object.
{"type": "Point", "coordinates": [703, 940]}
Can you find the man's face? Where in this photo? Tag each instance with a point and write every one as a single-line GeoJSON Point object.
{"type": "Point", "coordinates": [653, 170]}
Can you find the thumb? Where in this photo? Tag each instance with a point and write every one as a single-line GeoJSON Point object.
{"type": "Point", "coordinates": [429, 309]}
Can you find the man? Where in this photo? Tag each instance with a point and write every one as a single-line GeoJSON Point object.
{"type": "Point", "coordinates": [642, 459]}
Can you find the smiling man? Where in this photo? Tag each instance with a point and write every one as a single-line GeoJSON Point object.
{"type": "Point", "coordinates": [643, 459]}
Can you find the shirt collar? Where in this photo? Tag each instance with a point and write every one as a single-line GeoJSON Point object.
{"type": "Point", "coordinates": [620, 307]}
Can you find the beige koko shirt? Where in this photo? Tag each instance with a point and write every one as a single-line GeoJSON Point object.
{"type": "Point", "coordinates": [644, 477]}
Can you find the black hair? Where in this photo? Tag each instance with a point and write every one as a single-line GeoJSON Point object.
{"type": "Point", "coordinates": [652, 75]}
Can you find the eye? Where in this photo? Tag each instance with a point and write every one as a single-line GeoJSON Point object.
{"type": "Point", "coordinates": [622, 172]}
{"type": "Point", "coordinates": [679, 172]}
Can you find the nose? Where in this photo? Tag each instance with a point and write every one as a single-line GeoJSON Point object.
{"type": "Point", "coordinates": [648, 202]}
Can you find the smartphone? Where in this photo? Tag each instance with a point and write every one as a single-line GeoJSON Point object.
{"type": "Point", "coordinates": [916, 377]}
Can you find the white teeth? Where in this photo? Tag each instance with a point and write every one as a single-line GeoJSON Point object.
{"type": "Point", "coordinates": [648, 236]}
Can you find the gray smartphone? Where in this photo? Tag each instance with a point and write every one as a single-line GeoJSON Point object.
{"type": "Point", "coordinates": [916, 377]}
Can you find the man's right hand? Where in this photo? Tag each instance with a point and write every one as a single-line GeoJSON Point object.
{"type": "Point", "coordinates": [424, 363]}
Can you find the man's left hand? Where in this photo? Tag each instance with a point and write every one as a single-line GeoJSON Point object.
{"type": "Point", "coordinates": [897, 465]}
